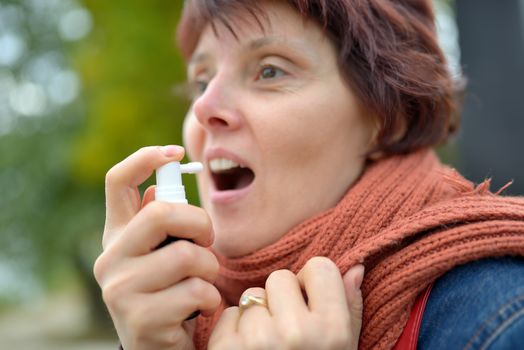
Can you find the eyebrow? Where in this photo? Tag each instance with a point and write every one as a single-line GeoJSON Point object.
{"type": "Point", "coordinates": [253, 45]}
{"type": "Point", "coordinates": [292, 45]}
{"type": "Point", "coordinates": [198, 58]}
{"type": "Point", "coordinates": [265, 41]}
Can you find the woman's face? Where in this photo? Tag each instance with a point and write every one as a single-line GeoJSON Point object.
{"type": "Point", "coordinates": [281, 135]}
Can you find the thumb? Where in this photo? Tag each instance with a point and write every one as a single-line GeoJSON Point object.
{"type": "Point", "coordinates": [149, 195]}
{"type": "Point", "coordinates": [352, 282]}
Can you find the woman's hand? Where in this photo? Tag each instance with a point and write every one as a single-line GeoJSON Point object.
{"type": "Point", "coordinates": [150, 292]}
{"type": "Point", "coordinates": [331, 317]}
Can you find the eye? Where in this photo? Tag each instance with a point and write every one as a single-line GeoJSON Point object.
{"type": "Point", "coordinates": [198, 87]}
{"type": "Point", "coordinates": [270, 72]}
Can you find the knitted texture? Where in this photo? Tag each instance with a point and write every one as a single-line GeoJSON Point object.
{"type": "Point", "coordinates": [408, 219]}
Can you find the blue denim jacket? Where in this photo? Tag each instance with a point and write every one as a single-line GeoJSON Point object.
{"type": "Point", "coordinates": [479, 305]}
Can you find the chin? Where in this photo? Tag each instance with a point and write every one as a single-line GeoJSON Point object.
{"type": "Point", "coordinates": [227, 249]}
{"type": "Point", "coordinates": [233, 243]}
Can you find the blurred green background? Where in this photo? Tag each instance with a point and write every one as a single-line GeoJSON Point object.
{"type": "Point", "coordinates": [82, 85]}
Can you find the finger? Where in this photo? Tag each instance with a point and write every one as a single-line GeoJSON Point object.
{"type": "Point", "coordinates": [323, 284]}
{"type": "Point", "coordinates": [285, 298]}
{"type": "Point", "coordinates": [174, 304]}
{"type": "Point", "coordinates": [157, 220]}
{"type": "Point", "coordinates": [256, 326]}
{"type": "Point", "coordinates": [149, 195]}
{"type": "Point", "coordinates": [122, 180]}
{"type": "Point", "coordinates": [352, 281]}
{"type": "Point", "coordinates": [156, 327]}
{"type": "Point", "coordinates": [225, 334]}
{"type": "Point", "coordinates": [252, 307]}
{"type": "Point", "coordinates": [171, 264]}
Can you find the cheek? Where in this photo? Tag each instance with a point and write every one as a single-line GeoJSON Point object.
{"type": "Point", "coordinates": [295, 131]}
{"type": "Point", "coordinates": [328, 129]}
{"type": "Point", "coordinates": [288, 125]}
{"type": "Point", "coordinates": [193, 136]}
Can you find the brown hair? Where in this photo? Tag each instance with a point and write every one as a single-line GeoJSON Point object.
{"type": "Point", "coordinates": [387, 51]}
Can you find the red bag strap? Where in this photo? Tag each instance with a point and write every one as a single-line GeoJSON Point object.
{"type": "Point", "coordinates": [409, 337]}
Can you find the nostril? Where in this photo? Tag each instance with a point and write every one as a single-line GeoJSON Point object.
{"type": "Point", "coordinates": [214, 121]}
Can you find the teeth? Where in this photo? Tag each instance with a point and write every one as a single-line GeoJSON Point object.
{"type": "Point", "coordinates": [222, 164]}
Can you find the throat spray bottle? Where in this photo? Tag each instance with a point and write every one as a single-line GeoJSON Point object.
{"type": "Point", "coordinates": [169, 188]}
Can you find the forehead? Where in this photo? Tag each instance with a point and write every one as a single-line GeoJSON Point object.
{"type": "Point", "coordinates": [274, 22]}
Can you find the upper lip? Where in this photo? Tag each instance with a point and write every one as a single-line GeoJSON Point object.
{"type": "Point", "coordinates": [219, 152]}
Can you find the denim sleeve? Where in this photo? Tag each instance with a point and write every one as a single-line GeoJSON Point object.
{"type": "Point", "coordinates": [479, 305]}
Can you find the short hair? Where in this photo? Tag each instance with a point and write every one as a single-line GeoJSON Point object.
{"type": "Point", "coordinates": [387, 52]}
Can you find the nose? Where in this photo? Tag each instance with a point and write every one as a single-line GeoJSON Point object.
{"type": "Point", "coordinates": [217, 109]}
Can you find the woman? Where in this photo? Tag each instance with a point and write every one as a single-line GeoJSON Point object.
{"type": "Point", "coordinates": [314, 120]}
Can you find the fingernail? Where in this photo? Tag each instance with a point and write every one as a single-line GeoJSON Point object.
{"type": "Point", "coordinates": [171, 150]}
{"type": "Point", "coordinates": [359, 276]}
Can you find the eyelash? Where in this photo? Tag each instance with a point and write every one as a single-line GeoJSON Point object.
{"type": "Point", "coordinates": [199, 85]}
{"type": "Point", "coordinates": [269, 66]}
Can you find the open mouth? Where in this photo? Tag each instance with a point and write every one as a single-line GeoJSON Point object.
{"type": "Point", "coordinates": [228, 175]}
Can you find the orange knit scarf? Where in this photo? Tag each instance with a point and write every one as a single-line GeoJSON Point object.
{"type": "Point", "coordinates": [408, 219]}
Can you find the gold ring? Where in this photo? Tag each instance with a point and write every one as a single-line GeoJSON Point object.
{"type": "Point", "coordinates": [249, 300]}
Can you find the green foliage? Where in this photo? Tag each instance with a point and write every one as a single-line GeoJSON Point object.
{"type": "Point", "coordinates": [37, 225]}
{"type": "Point", "coordinates": [129, 65]}
{"type": "Point", "coordinates": [52, 167]}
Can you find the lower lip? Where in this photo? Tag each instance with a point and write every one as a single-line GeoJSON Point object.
{"type": "Point", "coordinates": [230, 196]}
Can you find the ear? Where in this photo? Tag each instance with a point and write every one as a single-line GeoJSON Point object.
{"type": "Point", "coordinates": [396, 136]}
{"type": "Point", "coordinates": [149, 196]}
{"type": "Point", "coordinates": [373, 129]}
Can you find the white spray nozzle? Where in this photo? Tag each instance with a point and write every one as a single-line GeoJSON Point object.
{"type": "Point", "coordinates": [169, 187]}
{"type": "Point", "coordinates": [191, 168]}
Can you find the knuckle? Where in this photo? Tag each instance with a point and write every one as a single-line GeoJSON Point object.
{"type": "Point", "coordinates": [214, 298]}
{"type": "Point", "coordinates": [115, 293]}
{"type": "Point", "coordinates": [174, 338]}
{"type": "Point", "coordinates": [111, 298]}
{"type": "Point", "coordinates": [145, 153]}
{"type": "Point", "coordinates": [112, 176]}
{"type": "Point", "coordinates": [157, 211]}
{"type": "Point", "coordinates": [206, 220]}
{"type": "Point", "coordinates": [100, 267]}
{"type": "Point", "coordinates": [184, 253]}
{"type": "Point", "coordinates": [209, 271]}
{"type": "Point", "coordinates": [198, 288]}
{"type": "Point", "coordinates": [109, 295]}
{"type": "Point", "coordinates": [214, 267]}
{"type": "Point", "coordinates": [203, 224]}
